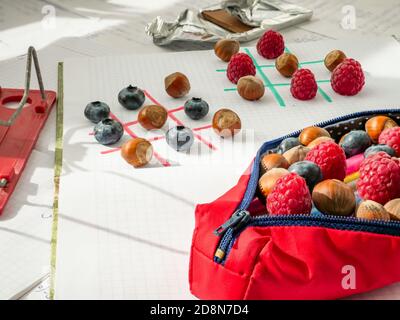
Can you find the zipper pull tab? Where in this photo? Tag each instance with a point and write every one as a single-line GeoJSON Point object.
{"type": "Point", "coordinates": [238, 219]}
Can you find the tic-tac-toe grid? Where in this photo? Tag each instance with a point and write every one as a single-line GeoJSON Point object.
{"type": "Point", "coordinates": [171, 115]}
{"type": "Point", "coordinates": [272, 86]}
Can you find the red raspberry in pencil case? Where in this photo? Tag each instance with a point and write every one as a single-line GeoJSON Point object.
{"type": "Point", "coordinates": [239, 66]}
{"type": "Point", "coordinates": [303, 85]}
{"type": "Point", "coordinates": [379, 178]}
{"type": "Point", "coordinates": [290, 196]}
{"type": "Point", "coordinates": [270, 45]}
{"type": "Point", "coordinates": [348, 78]}
{"type": "Point", "coordinates": [330, 157]}
{"type": "Point", "coordinates": [391, 137]}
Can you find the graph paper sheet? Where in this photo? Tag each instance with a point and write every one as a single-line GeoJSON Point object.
{"type": "Point", "coordinates": [126, 233]}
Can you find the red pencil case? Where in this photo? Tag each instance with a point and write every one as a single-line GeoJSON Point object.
{"type": "Point", "coordinates": [240, 253]}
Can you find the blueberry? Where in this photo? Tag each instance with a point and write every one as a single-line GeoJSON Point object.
{"type": "Point", "coordinates": [96, 111]}
{"type": "Point", "coordinates": [288, 144]}
{"type": "Point", "coordinates": [131, 98]}
{"type": "Point", "coordinates": [196, 108]}
{"type": "Point", "coordinates": [355, 142]}
{"type": "Point", "coordinates": [108, 131]}
{"type": "Point", "coordinates": [180, 138]}
{"type": "Point", "coordinates": [309, 171]}
{"type": "Point", "coordinates": [379, 148]}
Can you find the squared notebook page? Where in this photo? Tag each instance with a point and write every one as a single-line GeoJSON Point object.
{"type": "Point", "coordinates": [126, 233]}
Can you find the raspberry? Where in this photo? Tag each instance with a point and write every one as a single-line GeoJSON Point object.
{"type": "Point", "coordinates": [391, 137]}
{"type": "Point", "coordinates": [290, 196]}
{"type": "Point", "coordinates": [303, 85]}
{"type": "Point", "coordinates": [330, 158]}
{"type": "Point", "coordinates": [239, 66]}
{"type": "Point", "coordinates": [379, 178]}
{"type": "Point", "coordinates": [348, 78]}
{"type": "Point", "coordinates": [270, 45]}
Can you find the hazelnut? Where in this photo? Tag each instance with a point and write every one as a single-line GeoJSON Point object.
{"type": "Point", "coordinates": [318, 141]}
{"type": "Point", "coordinates": [273, 160]}
{"type": "Point", "coordinates": [334, 197]}
{"type": "Point", "coordinates": [250, 88]}
{"type": "Point", "coordinates": [333, 59]}
{"type": "Point", "coordinates": [152, 117]}
{"type": "Point", "coordinates": [177, 85]}
{"type": "Point", "coordinates": [393, 208]}
{"type": "Point", "coordinates": [226, 48]}
{"type": "Point", "coordinates": [311, 133]}
{"type": "Point", "coordinates": [296, 154]}
{"type": "Point", "coordinates": [268, 180]}
{"type": "Point", "coordinates": [376, 125]}
{"type": "Point", "coordinates": [287, 64]}
{"type": "Point", "coordinates": [226, 123]}
{"type": "Point", "coordinates": [372, 210]}
{"type": "Point", "coordinates": [137, 152]}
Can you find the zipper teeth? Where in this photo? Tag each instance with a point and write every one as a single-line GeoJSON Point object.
{"type": "Point", "coordinates": [326, 218]}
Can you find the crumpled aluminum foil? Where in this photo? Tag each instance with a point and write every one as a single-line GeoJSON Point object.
{"type": "Point", "coordinates": [261, 14]}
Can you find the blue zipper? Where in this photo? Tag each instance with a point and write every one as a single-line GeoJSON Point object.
{"type": "Point", "coordinates": [241, 219]}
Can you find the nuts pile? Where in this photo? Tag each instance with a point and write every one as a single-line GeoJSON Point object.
{"type": "Point", "coordinates": [329, 169]}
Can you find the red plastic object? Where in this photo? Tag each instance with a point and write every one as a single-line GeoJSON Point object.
{"type": "Point", "coordinates": [18, 140]}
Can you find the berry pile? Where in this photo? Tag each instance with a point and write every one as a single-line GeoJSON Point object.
{"type": "Point", "coordinates": [312, 170]}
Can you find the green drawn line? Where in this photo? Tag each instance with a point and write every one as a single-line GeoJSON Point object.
{"type": "Point", "coordinates": [324, 94]}
{"type": "Point", "coordinates": [266, 80]}
{"type": "Point", "coordinates": [57, 174]}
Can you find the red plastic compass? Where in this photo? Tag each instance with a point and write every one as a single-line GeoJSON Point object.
{"type": "Point", "coordinates": [20, 128]}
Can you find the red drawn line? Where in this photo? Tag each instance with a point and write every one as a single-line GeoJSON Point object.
{"type": "Point", "coordinates": [148, 95]}
{"type": "Point", "coordinates": [207, 143]}
{"type": "Point", "coordinates": [130, 123]}
{"type": "Point", "coordinates": [110, 150]}
{"type": "Point", "coordinates": [163, 161]}
{"type": "Point", "coordinates": [156, 138]}
{"type": "Point", "coordinates": [202, 128]}
{"type": "Point", "coordinates": [199, 137]}
{"type": "Point", "coordinates": [179, 123]}
{"type": "Point", "coordinates": [176, 109]}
